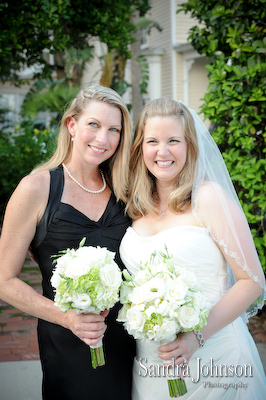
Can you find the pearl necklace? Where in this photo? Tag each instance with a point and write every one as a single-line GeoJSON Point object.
{"type": "Point", "coordinates": [82, 187]}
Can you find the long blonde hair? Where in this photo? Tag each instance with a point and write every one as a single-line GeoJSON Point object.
{"type": "Point", "coordinates": [116, 168]}
{"type": "Point", "coordinates": [142, 195]}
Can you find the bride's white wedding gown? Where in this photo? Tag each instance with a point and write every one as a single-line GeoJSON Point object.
{"type": "Point", "coordinates": [230, 351]}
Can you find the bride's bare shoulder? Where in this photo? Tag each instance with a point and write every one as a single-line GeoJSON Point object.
{"type": "Point", "coordinates": [208, 189]}
{"type": "Point", "coordinates": [209, 194]}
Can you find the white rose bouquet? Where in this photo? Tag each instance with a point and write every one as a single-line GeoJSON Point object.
{"type": "Point", "coordinates": [87, 280]}
{"type": "Point", "coordinates": [160, 301]}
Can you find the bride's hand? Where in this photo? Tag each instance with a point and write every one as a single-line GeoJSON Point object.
{"type": "Point", "coordinates": [88, 327]}
{"type": "Point", "coordinates": [184, 345]}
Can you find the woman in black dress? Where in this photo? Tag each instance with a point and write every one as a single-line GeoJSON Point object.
{"type": "Point", "coordinates": [77, 193]}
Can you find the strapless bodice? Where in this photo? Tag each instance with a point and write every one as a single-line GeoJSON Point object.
{"type": "Point", "coordinates": [191, 247]}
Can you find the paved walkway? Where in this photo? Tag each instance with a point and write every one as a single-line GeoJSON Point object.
{"type": "Point", "coordinates": [20, 369]}
{"type": "Point", "coordinates": [18, 338]}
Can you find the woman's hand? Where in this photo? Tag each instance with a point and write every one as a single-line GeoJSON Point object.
{"type": "Point", "coordinates": [89, 328]}
{"type": "Point", "coordinates": [184, 345]}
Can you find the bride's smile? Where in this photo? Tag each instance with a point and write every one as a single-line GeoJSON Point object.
{"type": "Point", "coordinates": [164, 147]}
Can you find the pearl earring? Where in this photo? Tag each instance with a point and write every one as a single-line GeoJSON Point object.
{"type": "Point", "coordinates": [72, 139]}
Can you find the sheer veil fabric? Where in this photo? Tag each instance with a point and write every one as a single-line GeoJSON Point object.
{"type": "Point", "coordinates": [217, 209]}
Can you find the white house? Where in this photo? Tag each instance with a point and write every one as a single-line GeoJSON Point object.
{"type": "Point", "coordinates": [175, 69]}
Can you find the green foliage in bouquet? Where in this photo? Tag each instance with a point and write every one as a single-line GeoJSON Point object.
{"type": "Point", "coordinates": [233, 37]}
{"type": "Point", "coordinates": [21, 149]}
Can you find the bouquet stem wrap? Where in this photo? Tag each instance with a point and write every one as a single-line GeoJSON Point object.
{"type": "Point", "coordinates": [97, 355]}
{"type": "Point", "coordinates": [177, 387]}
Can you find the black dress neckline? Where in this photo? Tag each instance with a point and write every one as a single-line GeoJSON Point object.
{"type": "Point", "coordinates": [84, 215]}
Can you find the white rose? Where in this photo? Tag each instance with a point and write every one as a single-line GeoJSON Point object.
{"type": "Point", "coordinates": [77, 267]}
{"type": "Point", "coordinates": [188, 317]}
{"type": "Point", "coordinates": [95, 255]}
{"type": "Point", "coordinates": [66, 259]}
{"type": "Point", "coordinates": [167, 330]}
{"type": "Point", "coordinates": [199, 301]}
{"type": "Point", "coordinates": [136, 319]}
{"type": "Point", "coordinates": [176, 291]}
{"type": "Point", "coordinates": [111, 276]}
{"type": "Point", "coordinates": [82, 301]}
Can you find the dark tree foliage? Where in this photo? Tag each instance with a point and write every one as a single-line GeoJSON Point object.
{"type": "Point", "coordinates": [29, 27]}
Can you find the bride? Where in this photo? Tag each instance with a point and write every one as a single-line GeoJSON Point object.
{"type": "Point", "coordinates": [181, 196]}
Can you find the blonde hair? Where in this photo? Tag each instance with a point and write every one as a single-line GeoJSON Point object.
{"type": "Point", "coordinates": [142, 195]}
{"type": "Point", "coordinates": [116, 168]}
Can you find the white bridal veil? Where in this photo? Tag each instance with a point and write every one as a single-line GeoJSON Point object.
{"type": "Point", "coordinates": [221, 215]}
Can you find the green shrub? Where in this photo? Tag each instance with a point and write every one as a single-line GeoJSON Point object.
{"type": "Point", "coordinates": [233, 37]}
{"type": "Point", "coordinates": [21, 149]}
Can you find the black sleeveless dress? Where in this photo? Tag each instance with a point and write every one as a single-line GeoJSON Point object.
{"type": "Point", "coordinates": [66, 363]}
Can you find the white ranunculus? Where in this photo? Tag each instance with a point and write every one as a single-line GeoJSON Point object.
{"type": "Point", "coordinates": [81, 301]}
{"type": "Point", "coordinates": [176, 291]}
{"type": "Point", "coordinates": [136, 319]}
{"type": "Point", "coordinates": [111, 276]}
{"type": "Point", "coordinates": [153, 289]}
{"type": "Point", "coordinates": [188, 317]}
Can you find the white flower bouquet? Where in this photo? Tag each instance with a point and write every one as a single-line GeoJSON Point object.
{"type": "Point", "coordinates": [160, 301]}
{"type": "Point", "coordinates": [87, 280]}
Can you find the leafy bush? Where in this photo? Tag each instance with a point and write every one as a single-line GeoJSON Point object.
{"type": "Point", "coordinates": [233, 36]}
{"type": "Point", "coordinates": [21, 149]}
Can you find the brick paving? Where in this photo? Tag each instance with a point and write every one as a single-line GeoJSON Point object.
{"type": "Point", "coordinates": [18, 337]}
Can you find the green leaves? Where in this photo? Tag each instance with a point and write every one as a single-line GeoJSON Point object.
{"type": "Point", "coordinates": [30, 27]}
{"type": "Point", "coordinates": [21, 149]}
{"type": "Point", "coordinates": [234, 39]}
